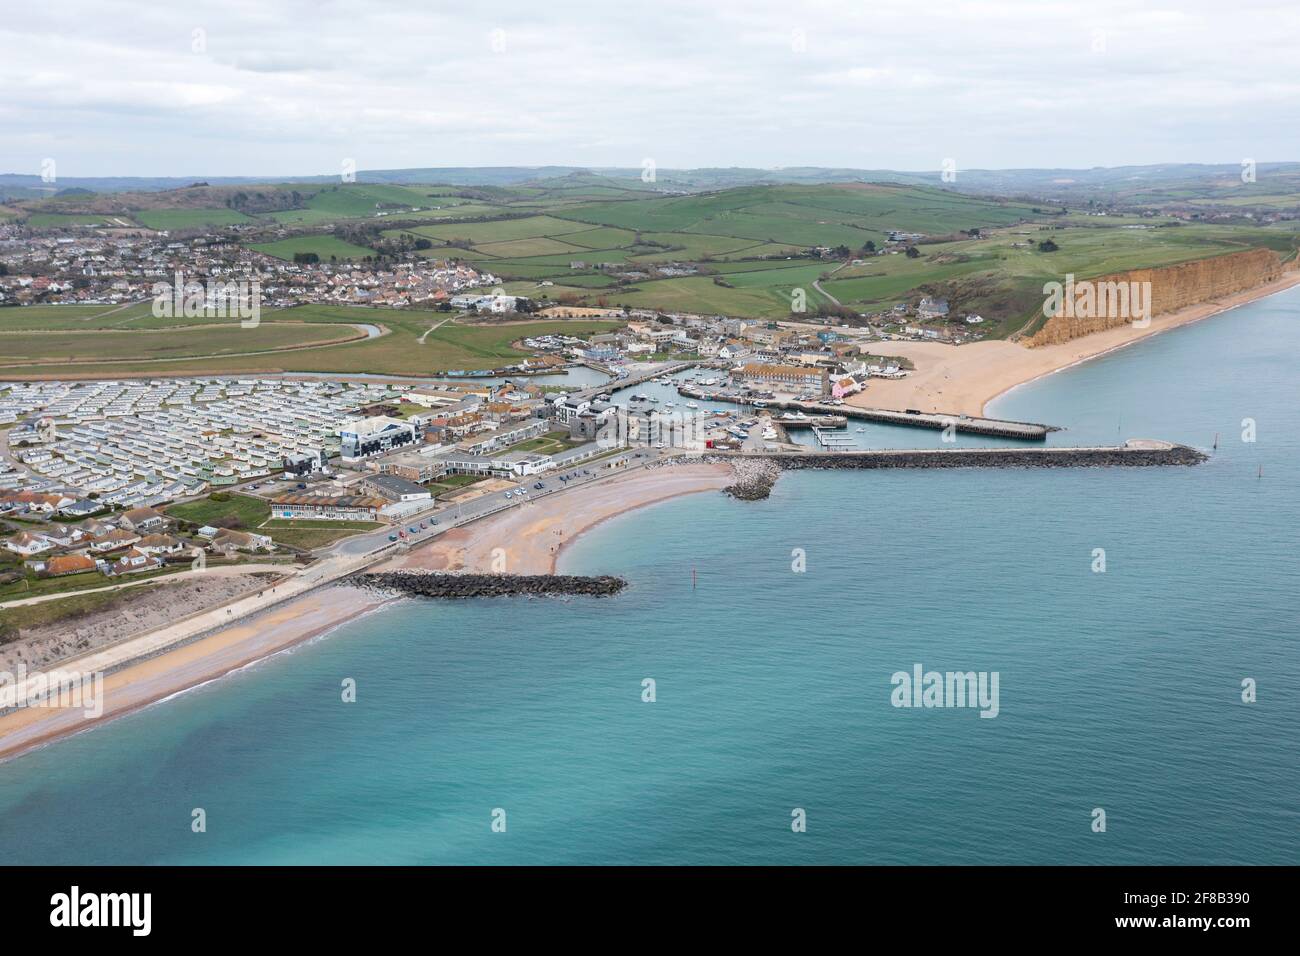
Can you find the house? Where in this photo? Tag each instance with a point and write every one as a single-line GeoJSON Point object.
{"type": "Point", "coordinates": [133, 562]}
{"type": "Point", "coordinates": [932, 308]}
{"type": "Point", "coordinates": [142, 520]}
{"type": "Point", "coordinates": [117, 538]}
{"type": "Point", "coordinates": [36, 502]}
{"type": "Point", "coordinates": [92, 528]}
{"type": "Point", "coordinates": [26, 543]}
{"type": "Point", "coordinates": [59, 565]}
{"type": "Point", "coordinates": [64, 537]}
{"type": "Point", "coordinates": [80, 508]}
{"type": "Point", "coordinates": [227, 540]}
{"type": "Point", "coordinates": [160, 544]}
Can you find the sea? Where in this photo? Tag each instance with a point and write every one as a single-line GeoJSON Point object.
{"type": "Point", "coordinates": [741, 702]}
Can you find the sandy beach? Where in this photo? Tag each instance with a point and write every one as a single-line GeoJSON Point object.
{"type": "Point", "coordinates": [188, 666]}
{"type": "Point", "coordinates": [963, 379]}
{"type": "Point", "coordinates": [530, 537]}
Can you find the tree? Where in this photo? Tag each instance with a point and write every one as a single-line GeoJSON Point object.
{"type": "Point", "coordinates": [306, 258]}
{"type": "Point", "coordinates": [869, 248]}
{"type": "Point", "coordinates": [1047, 245]}
{"type": "Point", "coordinates": [913, 252]}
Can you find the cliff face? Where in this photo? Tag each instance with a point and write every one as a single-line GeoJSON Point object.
{"type": "Point", "coordinates": [1172, 288]}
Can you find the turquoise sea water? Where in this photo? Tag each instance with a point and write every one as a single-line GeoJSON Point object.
{"type": "Point", "coordinates": [1118, 690]}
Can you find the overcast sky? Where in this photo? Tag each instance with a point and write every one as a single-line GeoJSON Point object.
{"type": "Point", "coordinates": [281, 87]}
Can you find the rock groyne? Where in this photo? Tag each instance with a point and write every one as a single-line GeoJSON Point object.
{"type": "Point", "coordinates": [440, 585]}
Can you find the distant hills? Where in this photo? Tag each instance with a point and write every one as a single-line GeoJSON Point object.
{"type": "Point", "coordinates": [1170, 181]}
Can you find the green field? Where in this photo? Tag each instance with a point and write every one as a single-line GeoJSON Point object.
{"type": "Point", "coordinates": [189, 218]}
{"type": "Point", "coordinates": [48, 220]}
{"type": "Point", "coordinates": [327, 247]}
{"type": "Point", "coordinates": [190, 340]}
{"type": "Point", "coordinates": [288, 340]}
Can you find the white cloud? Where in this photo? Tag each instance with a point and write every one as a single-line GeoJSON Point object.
{"type": "Point", "coordinates": [113, 87]}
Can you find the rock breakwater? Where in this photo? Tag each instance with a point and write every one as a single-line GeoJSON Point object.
{"type": "Point", "coordinates": [442, 585]}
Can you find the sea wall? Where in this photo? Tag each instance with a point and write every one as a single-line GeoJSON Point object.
{"type": "Point", "coordinates": [1172, 288]}
{"type": "Point", "coordinates": [435, 585]}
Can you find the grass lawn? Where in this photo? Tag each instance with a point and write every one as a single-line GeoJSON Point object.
{"type": "Point", "coordinates": [547, 444]}
{"type": "Point", "coordinates": [308, 534]}
{"type": "Point", "coordinates": [251, 512]}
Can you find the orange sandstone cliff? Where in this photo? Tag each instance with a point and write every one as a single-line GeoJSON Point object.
{"type": "Point", "coordinates": [1172, 288]}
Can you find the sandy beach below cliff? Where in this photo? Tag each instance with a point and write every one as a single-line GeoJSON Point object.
{"type": "Point", "coordinates": [529, 537]}
{"type": "Point", "coordinates": [963, 379]}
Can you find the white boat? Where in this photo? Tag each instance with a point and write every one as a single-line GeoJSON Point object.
{"type": "Point", "coordinates": [861, 429]}
{"type": "Point", "coordinates": [691, 405]}
{"type": "Point", "coordinates": [760, 404]}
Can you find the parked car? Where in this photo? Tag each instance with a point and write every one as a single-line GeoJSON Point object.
{"type": "Point", "coordinates": [392, 537]}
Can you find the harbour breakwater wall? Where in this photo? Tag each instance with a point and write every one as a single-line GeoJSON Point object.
{"type": "Point", "coordinates": [757, 473]}
{"type": "Point", "coordinates": [1128, 455]}
{"type": "Point", "coordinates": [1173, 287]}
{"type": "Point", "coordinates": [435, 585]}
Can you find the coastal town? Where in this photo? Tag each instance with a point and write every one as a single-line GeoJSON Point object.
{"type": "Point", "coordinates": [99, 267]}
{"type": "Point", "coordinates": [541, 437]}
